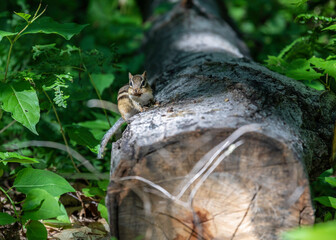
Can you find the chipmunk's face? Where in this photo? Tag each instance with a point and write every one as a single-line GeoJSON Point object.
{"type": "Point", "coordinates": [137, 84]}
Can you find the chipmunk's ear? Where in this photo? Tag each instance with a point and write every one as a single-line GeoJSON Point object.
{"type": "Point", "coordinates": [130, 76]}
{"type": "Point", "coordinates": [144, 75]}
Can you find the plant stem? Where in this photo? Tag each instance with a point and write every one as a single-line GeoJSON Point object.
{"type": "Point", "coordinates": [62, 131]}
{"type": "Point", "coordinates": [94, 85]}
{"type": "Point", "coordinates": [10, 124]}
{"type": "Point", "coordinates": [11, 201]}
{"type": "Point", "coordinates": [8, 58]}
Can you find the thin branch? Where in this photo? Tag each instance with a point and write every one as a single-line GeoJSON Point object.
{"type": "Point", "coordinates": [6, 127]}
{"type": "Point", "coordinates": [86, 163]}
{"type": "Point", "coordinates": [62, 131]}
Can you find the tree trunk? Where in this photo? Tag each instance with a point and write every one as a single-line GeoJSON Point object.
{"type": "Point", "coordinates": [208, 88]}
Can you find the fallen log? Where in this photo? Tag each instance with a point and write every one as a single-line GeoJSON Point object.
{"type": "Point", "coordinates": [274, 131]}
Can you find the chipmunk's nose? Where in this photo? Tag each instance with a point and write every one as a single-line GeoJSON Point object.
{"type": "Point", "coordinates": [137, 92]}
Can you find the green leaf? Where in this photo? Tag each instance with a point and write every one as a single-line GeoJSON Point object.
{"type": "Point", "coordinates": [102, 209]}
{"type": "Point", "coordinates": [316, 84]}
{"type": "Point", "coordinates": [303, 74]}
{"type": "Point", "coordinates": [327, 173]}
{"type": "Point", "coordinates": [64, 218]}
{"type": "Point", "coordinates": [300, 69]}
{"type": "Point", "coordinates": [5, 219]}
{"type": "Point", "coordinates": [36, 231]}
{"type": "Point", "coordinates": [6, 34]}
{"type": "Point", "coordinates": [331, 181]}
{"type": "Point", "coordinates": [15, 157]}
{"type": "Point", "coordinates": [332, 27]}
{"type": "Point", "coordinates": [328, 66]}
{"type": "Point", "coordinates": [93, 191]}
{"type": "Point", "coordinates": [29, 178]}
{"type": "Point", "coordinates": [48, 26]}
{"type": "Point", "coordinates": [322, 231]}
{"type": "Point", "coordinates": [82, 136]}
{"type": "Point", "coordinates": [20, 99]}
{"type": "Point", "coordinates": [39, 204]}
{"type": "Point", "coordinates": [326, 201]}
{"type": "Point", "coordinates": [25, 16]}
{"type": "Point", "coordinates": [102, 81]}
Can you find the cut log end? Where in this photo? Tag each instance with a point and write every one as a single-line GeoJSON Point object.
{"type": "Point", "coordinates": [260, 189]}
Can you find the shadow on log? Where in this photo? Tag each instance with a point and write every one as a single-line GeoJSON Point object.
{"type": "Point", "coordinates": [208, 88]}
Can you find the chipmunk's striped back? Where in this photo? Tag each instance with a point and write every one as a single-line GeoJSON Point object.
{"type": "Point", "coordinates": [125, 104]}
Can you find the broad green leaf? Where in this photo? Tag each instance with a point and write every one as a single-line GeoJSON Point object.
{"type": "Point", "coordinates": [300, 69]}
{"type": "Point", "coordinates": [29, 178]}
{"type": "Point", "coordinates": [64, 218]}
{"type": "Point", "coordinates": [39, 204]}
{"type": "Point", "coordinates": [48, 26]}
{"type": "Point", "coordinates": [326, 201]}
{"type": "Point", "coordinates": [316, 84]}
{"type": "Point", "coordinates": [327, 173]}
{"type": "Point", "coordinates": [321, 231]}
{"type": "Point", "coordinates": [303, 74]}
{"type": "Point", "coordinates": [93, 191]}
{"type": "Point", "coordinates": [332, 27]}
{"type": "Point", "coordinates": [5, 219]}
{"type": "Point", "coordinates": [331, 181]}
{"type": "Point", "coordinates": [20, 99]}
{"type": "Point", "coordinates": [81, 136]}
{"type": "Point", "coordinates": [36, 231]}
{"type": "Point", "coordinates": [6, 34]}
{"type": "Point", "coordinates": [329, 66]}
{"type": "Point", "coordinates": [25, 16]}
{"type": "Point", "coordinates": [15, 157]}
{"type": "Point", "coordinates": [102, 81]}
{"type": "Point", "coordinates": [102, 209]}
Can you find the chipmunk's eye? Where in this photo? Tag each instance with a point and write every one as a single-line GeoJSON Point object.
{"type": "Point", "coordinates": [131, 84]}
{"type": "Point", "coordinates": [143, 84]}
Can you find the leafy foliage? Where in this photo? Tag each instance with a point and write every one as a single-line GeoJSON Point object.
{"type": "Point", "coordinates": [307, 58]}
{"type": "Point", "coordinates": [6, 157]}
{"type": "Point", "coordinates": [325, 231]}
{"type": "Point", "coordinates": [49, 67]}
{"type": "Point", "coordinates": [5, 218]}
{"type": "Point", "coordinates": [45, 180]}
{"type": "Point", "coordinates": [52, 62]}
{"type": "Point", "coordinates": [20, 99]}
{"type": "Point", "coordinates": [36, 230]}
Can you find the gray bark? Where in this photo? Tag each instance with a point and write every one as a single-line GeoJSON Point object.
{"type": "Point", "coordinates": [207, 87]}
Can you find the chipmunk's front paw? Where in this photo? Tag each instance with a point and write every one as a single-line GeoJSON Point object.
{"type": "Point", "coordinates": [144, 109]}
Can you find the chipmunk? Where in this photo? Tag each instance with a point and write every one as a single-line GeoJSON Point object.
{"type": "Point", "coordinates": [132, 99]}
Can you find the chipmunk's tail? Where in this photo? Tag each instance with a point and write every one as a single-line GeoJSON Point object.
{"type": "Point", "coordinates": [107, 137]}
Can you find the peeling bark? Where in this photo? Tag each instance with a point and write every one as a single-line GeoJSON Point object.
{"type": "Point", "coordinates": [208, 87]}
